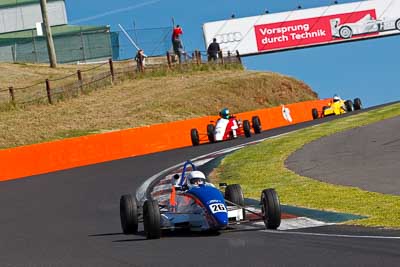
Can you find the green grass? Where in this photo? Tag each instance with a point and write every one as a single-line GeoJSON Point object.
{"type": "Point", "coordinates": [262, 166]}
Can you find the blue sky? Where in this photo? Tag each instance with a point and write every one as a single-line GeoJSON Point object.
{"type": "Point", "coordinates": [366, 69]}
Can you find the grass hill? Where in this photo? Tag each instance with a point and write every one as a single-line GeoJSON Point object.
{"type": "Point", "coordinates": [142, 101]}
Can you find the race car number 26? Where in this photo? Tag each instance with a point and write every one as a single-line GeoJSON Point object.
{"type": "Point", "coordinates": [217, 207]}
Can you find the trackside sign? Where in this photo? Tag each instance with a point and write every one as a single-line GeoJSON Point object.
{"type": "Point", "coordinates": [305, 32]}
{"type": "Point", "coordinates": [307, 27]}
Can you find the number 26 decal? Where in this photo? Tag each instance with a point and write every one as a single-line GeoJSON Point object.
{"type": "Point", "coordinates": [218, 207]}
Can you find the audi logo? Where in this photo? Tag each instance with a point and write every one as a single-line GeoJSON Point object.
{"type": "Point", "coordinates": [229, 37]}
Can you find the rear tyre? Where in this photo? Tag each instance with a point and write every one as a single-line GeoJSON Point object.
{"type": "Point", "coordinates": [270, 208]}
{"type": "Point", "coordinates": [152, 219]}
{"type": "Point", "coordinates": [210, 133]}
{"type": "Point", "coordinates": [349, 105]}
{"type": "Point", "coordinates": [234, 193]}
{"type": "Point", "coordinates": [314, 112]}
{"type": "Point", "coordinates": [128, 212]}
{"type": "Point", "coordinates": [398, 24]}
{"type": "Point", "coordinates": [256, 124]}
{"type": "Point", "coordinates": [246, 128]}
{"type": "Point", "coordinates": [194, 135]}
{"type": "Point", "coordinates": [357, 104]}
{"type": "Point", "coordinates": [323, 110]}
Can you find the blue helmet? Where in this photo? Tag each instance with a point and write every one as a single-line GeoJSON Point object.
{"type": "Point", "coordinates": [224, 113]}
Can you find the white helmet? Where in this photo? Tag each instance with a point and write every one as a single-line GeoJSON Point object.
{"type": "Point", "coordinates": [195, 178]}
{"type": "Point", "coordinates": [336, 98]}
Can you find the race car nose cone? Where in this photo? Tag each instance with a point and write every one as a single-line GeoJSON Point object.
{"type": "Point", "coordinates": [221, 218]}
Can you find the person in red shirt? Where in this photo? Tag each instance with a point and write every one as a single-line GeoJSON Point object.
{"type": "Point", "coordinates": [176, 32]}
{"type": "Point", "coordinates": [177, 43]}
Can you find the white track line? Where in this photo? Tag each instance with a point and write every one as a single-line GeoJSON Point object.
{"type": "Point", "coordinates": [331, 235]}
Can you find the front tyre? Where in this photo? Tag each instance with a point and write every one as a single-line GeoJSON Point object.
{"type": "Point", "coordinates": [246, 128]}
{"type": "Point", "coordinates": [128, 212]}
{"type": "Point", "coordinates": [270, 208]}
{"type": "Point", "coordinates": [349, 105]}
{"type": "Point", "coordinates": [398, 24]}
{"type": "Point", "coordinates": [194, 135]}
{"type": "Point", "coordinates": [357, 104]}
{"type": "Point", "coordinates": [345, 32]}
{"type": "Point", "coordinates": [152, 219]}
{"type": "Point", "coordinates": [234, 193]}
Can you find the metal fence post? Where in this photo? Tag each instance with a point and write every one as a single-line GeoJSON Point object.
{"type": "Point", "coordinates": [48, 89]}
{"type": "Point", "coordinates": [11, 90]}
{"type": "Point", "coordinates": [34, 47]}
{"type": "Point", "coordinates": [110, 62]}
{"type": "Point", "coordinates": [79, 73]}
{"type": "Point", "coordinates": [82, 44]}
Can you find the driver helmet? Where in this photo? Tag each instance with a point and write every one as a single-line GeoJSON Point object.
{"type": "Point", "coordinates": [336, 98]}
{"type": "Point", "coordinates": [224, 113]}
{"type": "Point", "coordinates": [196, 178]}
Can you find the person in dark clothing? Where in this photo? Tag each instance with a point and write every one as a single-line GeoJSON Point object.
{"type": "Point", "coordinates": [140, 59]}
{"type": "Point", "coordinates": [177, 42]}
{"type": "Point", "coordinates": [213, 50]}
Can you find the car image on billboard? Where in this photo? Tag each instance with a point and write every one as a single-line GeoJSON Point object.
{"type": "Point", "coordinates": [367, 24]}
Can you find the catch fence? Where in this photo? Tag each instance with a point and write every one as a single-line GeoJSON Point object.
{"type": "Point", "coordinates": [100, 75]}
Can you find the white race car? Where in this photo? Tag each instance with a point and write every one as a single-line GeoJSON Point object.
{"type": "Point", "coordinates": [365, 25]}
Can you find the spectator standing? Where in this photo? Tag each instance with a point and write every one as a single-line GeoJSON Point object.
{"type": "Point", "coordinates": [140, 60]}
{"type": "Point", "coordinates": [213, 50]}
{"type": "Point", "coordinates": [177, 32]}
{"type": "Point", "coordinates": [177, 42]}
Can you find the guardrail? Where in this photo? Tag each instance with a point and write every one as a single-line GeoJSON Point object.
{"type": "Point", "coordinates": [47, 157]}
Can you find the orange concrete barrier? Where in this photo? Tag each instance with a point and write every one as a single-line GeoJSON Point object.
{"type": "Point", "coordinates": [47, 157]}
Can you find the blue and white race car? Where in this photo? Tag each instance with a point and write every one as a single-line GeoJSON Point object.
{"type": "Point", "coordinates": [196, 205]}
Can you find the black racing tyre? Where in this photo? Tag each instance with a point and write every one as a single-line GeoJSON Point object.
{"type": "Point", "coordinates": [128, 212]}
{"type": "Point", "coordinates": [345, 32]}
{"type": "Point", "coordinates": [246, 128]}
{"type": "Point", "coordinates": [349, 105]}
{"type": "Point", "coordinates": [194, 135]}
{"type": "Point", "coordinates": [152, 219]}
{"type": "Point", "coordinates": [314, 112]}
{"type": "Point", "coordinates": [234, 193]}
{"type": "Point", "coordinates": [255, 120]}
{"type": "Point", "coordinates": [398, 24]}
{"type": "Point", "coordinates": [270, 208]}
{"type": "Point", "coordinates": [357, 104]}
{"type": "Point", "coordinates": [210, 133]}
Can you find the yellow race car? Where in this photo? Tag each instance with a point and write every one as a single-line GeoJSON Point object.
{"type": "Point", "coordinates": [338, 106]}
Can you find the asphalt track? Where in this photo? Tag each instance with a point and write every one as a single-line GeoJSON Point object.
{"type": "Point", "coordinates": [71, 218]}
{"type": "Point", "coordinates": [366, 157]}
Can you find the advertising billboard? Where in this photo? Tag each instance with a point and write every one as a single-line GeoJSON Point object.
{"type": "Point", "coordinates": [306, 27]}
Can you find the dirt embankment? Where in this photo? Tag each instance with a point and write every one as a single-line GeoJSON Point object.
{"type": "Point", "coordinates": [144, 101]}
